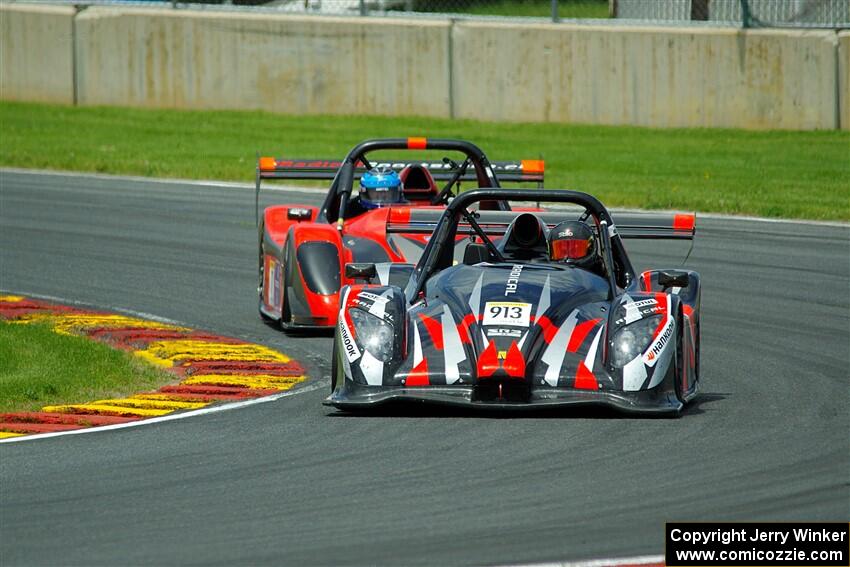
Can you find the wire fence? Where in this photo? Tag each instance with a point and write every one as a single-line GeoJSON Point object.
{"type": "Point", "coordinates": [747, 13]}
{"type": "Point", "coordinates": [830, 14]}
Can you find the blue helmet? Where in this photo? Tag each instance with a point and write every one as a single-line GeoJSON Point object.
{"type": "Point", "coordinates": [380, 187]}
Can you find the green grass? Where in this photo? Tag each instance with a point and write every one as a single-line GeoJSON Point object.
{"type": "Point", "coordinates": [524, 8]}
{"type": "Point", "coordinates": [764, 173]}
{"type": "Point", "coordinates": [39, 367]}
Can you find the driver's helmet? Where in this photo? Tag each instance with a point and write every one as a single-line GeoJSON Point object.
{"type": "Point", "coordinates": [380, 187]}
{"type": "Point", "coordinates": [572, 242]}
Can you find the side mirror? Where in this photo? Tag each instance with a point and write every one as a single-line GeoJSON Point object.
{"type": "Point", "coordinates": [299, 213]}
{"type": "Point", "coordinates": [673, 278]}
{"type": "Point", "coordinates": [360, 271]}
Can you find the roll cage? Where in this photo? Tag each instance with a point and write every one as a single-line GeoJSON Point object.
{"type": "Point", "coordinates": [439, 253]}
{"type": "Point", "coordinates": [335, 204]}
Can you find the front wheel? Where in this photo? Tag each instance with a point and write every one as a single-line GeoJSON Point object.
{"type": "Point", "coordinates": [678, 362]}
{"type": "Point", "coordinates": [289, 263]}
{"type": "Point", "coordinates": [334, 363]}
{"type": "Point", "coordinates": [261, 289]}
{"type": "Point", "coordinates": [696, 353]}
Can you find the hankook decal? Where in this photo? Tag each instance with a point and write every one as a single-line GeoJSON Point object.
{"type": "Point", "coordinates": [660, 343]}
{"type": "Point", "coordinates": [351, 350]}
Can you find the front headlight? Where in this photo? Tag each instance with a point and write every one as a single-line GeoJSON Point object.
{"type": "Point", "coordinates": [375, 334]}
{"type": "Point", "coordinates": [632, 340]}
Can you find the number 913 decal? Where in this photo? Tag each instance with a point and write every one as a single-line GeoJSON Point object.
{"type": "Point", "coordinates": [507, 313]}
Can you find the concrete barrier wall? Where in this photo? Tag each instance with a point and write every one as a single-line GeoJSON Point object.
{"type": "Point", "coordinates": [844, 78]}
{"type": "Point", "coordinates": [661, 77]}
{"type": "Point", "coordinates": [645, 76]}
{"type": "Point", "coordinates": [290, 64]}
{"type": "Point", "coordinates": [36, 53]}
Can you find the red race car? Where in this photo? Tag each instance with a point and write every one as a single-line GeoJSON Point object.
{"type": "Point", "coordinates": [369, 216]}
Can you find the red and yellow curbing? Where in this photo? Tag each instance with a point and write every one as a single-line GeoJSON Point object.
{"type": "Point", "coordinates": [211, 368]}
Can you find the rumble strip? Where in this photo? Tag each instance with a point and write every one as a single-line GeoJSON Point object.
{"type": "Point", "coordinates": [209, 368]}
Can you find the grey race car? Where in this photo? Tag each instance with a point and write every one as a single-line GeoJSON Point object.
{"type": "Point", "coordinates": [505, 327]}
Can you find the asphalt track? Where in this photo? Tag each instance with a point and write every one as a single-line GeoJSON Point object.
{"type": "Point", "coordinates": [292, 482]}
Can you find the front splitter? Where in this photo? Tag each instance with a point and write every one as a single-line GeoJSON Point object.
{"type": "Point", "coordinates": [356, 397]}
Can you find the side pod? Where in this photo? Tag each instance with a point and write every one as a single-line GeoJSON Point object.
{"type": "Point", "coordinates": [313, 260]}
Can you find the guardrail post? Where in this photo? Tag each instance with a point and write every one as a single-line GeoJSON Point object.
{"type": "Point", "coordinates": [746, 15]}
{"type": "Point", "coordinates": [555, 11]}
{"type": "Point", "coordinates": [362, 7]}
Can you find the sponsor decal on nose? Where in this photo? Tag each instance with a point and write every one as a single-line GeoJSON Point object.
{"type": "Point", "coordinates": [513, 279]}
{"type": "Point", "coordinates": [351, 350]}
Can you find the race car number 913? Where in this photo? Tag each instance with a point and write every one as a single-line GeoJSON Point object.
{"type": "Point", "coordinates": [507, 313]}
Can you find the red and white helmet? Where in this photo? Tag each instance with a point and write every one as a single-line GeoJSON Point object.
{"type": "Point", "coordinates": [572, 242]}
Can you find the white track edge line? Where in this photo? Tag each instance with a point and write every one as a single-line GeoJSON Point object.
{"type": "Point", "coordinates": [640, 560]}
{"type": "Point", "coordinates": [314, 190]}
{"type": "Point", "coordinates": [66, 301]}
{"type": "Point", "coordinates": [162, 180]}
{"type": "Point", "coordinates": [169, 417]}
{"type": "Point", "coordinates": [174, 416]}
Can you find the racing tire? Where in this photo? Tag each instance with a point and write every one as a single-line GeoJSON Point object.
{"type": "Point", "coordinates": [261, 289]}
{"type": "Point", "coordinates": [285, 314]}
{"type": "Point", "coordinates": [696, 352]}
{"type": "Point", "coordinates": [334, 363]}
{"type": "Point", "coordinates": [678, 361]}
{"type": "Point", "coordinates": [696, 339]}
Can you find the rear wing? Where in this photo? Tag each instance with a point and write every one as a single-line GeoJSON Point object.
{"type": "Point", "coordinates": [522, 171]}
{"type": "Point", "coordinates": [665, 226]}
